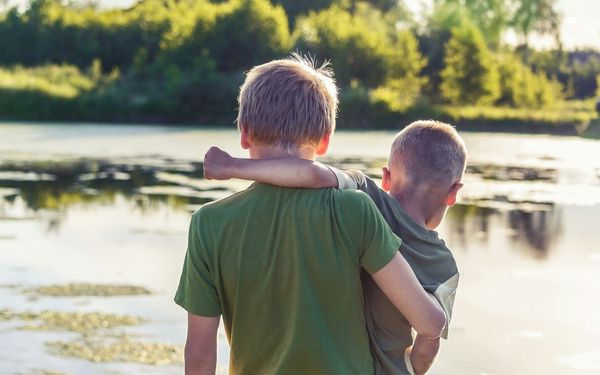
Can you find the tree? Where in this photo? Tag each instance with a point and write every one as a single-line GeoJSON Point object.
{"type": "Point", "coordinates": [356, 51]}
{"type": "Point", "coordinates": [405, 83]}
{"type": "Point", "coordinates": [536, 16]}
{"type": "Point", "coordinates": [598, 94]}
{"type": "Point", "coordinates": [296, 8]}
{"type": "Point", "coordinates": [521, 87]}
{"type": "Point", "coordinates": [490, 16]}
{"type": "Point", "coordinates": [470, 75]}
{"type": "Point", "coordinates": [248, 32]}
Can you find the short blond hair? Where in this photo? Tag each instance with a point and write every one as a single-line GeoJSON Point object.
{"type": "Point", "coordinates": [429, 151]}
{"type": "Point", "coordinates": [289, 103]}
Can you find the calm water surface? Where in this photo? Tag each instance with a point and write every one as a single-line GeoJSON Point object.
{"type": "Point", "coordinates": [111, 205]}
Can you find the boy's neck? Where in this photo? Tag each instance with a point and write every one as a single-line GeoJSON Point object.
{"type": "Point", "coordinates": [271, 152]}
{"type": "Point", "coordinates": [414, 205]}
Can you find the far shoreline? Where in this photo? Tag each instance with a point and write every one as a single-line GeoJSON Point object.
{"type": "Point", "coordinates": [590, 129]}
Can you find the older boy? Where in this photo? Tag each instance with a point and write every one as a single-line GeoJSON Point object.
{"type": "Point", "coordinates": [425, 167]}
{"type": "Point", "coordinates": [282, 266]}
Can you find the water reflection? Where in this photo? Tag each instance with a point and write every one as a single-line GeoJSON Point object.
{"type": "Point", "coordinates": [538, 229]}
{"type": "Point", "coordinates": [533, 231]}
{"type": "Point", "coordinates": [62, 184]}
{"type": "Point", "coordinates": [147, 182]}
{"type": "Point", "coordinates": [522, 236]}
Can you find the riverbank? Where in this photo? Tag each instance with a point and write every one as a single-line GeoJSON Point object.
{"type": "Point", "coordinates": [567, 118]}
{"type": "Point", "coordinates": [583, 124]}
{"type": "Point", "coordinates": [67, 94]}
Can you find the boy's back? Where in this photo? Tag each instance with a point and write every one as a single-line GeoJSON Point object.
{"type": "Point", "coordinates": [290, 295]}
{"type": "Point", "coordinates": [432, 262]}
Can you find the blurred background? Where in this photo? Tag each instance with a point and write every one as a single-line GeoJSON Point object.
{"type": "Point", "coordinates": [107, 107]}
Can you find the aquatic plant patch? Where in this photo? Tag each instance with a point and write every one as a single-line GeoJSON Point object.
{"type": "Point", "coordinates": [83, 323]}
{"type": "Point", "coordinates": [98, 340]}
{"type": "Point", "coordinates": [91, 290]}
{"type": "Point", "coordinates": [121, 349]}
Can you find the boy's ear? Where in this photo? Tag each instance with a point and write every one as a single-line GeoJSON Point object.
{"type": "Point", "coordinates": [386, 179]}
{"type": "Point", "coordinates": [323, 145]}
{"type": "Point", "coordinates": [452, 193]}
{"type": "Point", "coordinates": [244, 139]}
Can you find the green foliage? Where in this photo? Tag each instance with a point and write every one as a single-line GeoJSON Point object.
{"type": "Point", "coordinates": [535, 16]}
{"type": "Point", "coordinates": [248, 32]}
{"type": "Point", "coordinates": [183, 60]}
{"type": "Point", "coordinates": [575, 70]}
{"type": "Point", "coordinates": [470, 75]}
{"type": "Point", "coordinates": [581, 75]}
{"type": "Point", "coordinates": [50, 32]}
{"type": "Point", "coordinates": [355, 107]}
{"type": "Point", "coordinates": [561, 113]}
{"type": "Point", "coordinates": [49, 92]}
{"type": "Point", "coordinates": [491, 17]}
{"type": "Point", "coordinates": [521, 87]}
{"type": "Point", "coordinates": [445, 16]}
{"type": "Point", "coordinates": [400, 92]}
{"type": "Point", "coordinates": [356, 51]}
{"type": "Point", "coordinates": [295, 8]}
{"type": "Point", "coordinates": [236, 34]}
{"type": "Point", "coordinates": [59, 81]}
{"type": "Point", "coordinates": [359, 49]}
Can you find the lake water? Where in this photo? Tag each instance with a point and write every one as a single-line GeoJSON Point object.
{"type": "Point", "coordinates": [82, 205]}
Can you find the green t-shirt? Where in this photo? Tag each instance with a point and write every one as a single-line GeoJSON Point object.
{"type": "Point", "coordinates": [282, 266]}
{"type": "Point", "coordinates": [432, 262]}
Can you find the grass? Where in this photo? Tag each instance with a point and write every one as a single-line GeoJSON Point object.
{"type": "Point", "coordinates": [575, 111]}
{"type": "Point", "coordinates": [61, 81]}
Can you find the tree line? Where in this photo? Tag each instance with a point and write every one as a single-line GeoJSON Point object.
{"type": "Point", "coordinates": [183, 60]}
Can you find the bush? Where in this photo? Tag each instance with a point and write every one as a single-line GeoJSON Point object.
{"type": "Point", "coordinates": [356, 51]}
{"type": "Point", "coordinates": [470, 75]}
{"type": "Point", "coordinates": [50, 32]}
{"type": "Point", "coordinates": [247, 33]}
{"type": "Point", "coordinates": [522, 88]}
{"type": "Point", "coordinates": [405, 84]}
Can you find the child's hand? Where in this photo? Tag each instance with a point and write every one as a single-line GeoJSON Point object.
{"type": "Point", "coordinates": [217, 164]}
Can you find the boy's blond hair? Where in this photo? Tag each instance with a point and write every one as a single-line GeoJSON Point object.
{"type": "Point", "coordinates": [288, 103]}
{"type": "Point", "coordinates": [430, 152]}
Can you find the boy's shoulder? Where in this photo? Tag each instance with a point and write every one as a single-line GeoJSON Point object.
{"type": "Point", "coordinates": [353, 201]}
{"type": "Point", "coordinates": [262, 195]}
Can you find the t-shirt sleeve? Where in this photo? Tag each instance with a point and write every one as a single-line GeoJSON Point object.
{"type": "Point", "coordinates": [197, 293]}
{"type": "Point", "coordinates": [445, 294]}
{"type": "Point", "coordinates": [346, 180]}
{"type": "Point", "coordinates": [379, 243]}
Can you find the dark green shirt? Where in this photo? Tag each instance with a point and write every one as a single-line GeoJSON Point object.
{"type": "Point", "coordinates": [433, 263]}
{"type": "Point", "coordinates": [282, 266]}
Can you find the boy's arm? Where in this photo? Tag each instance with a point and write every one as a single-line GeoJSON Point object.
{"type": "Point", "coordinates": [201, 345]}
{"type": "Point", "coordinates": [400, 285]}
{"type": "Point", "coordinates": [422, 354]}
{"type": "Point", "coordinates": [287, 172]}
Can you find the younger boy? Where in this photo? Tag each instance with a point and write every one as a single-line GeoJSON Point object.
{"type": "Point", "coordinates": [423, 176]}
